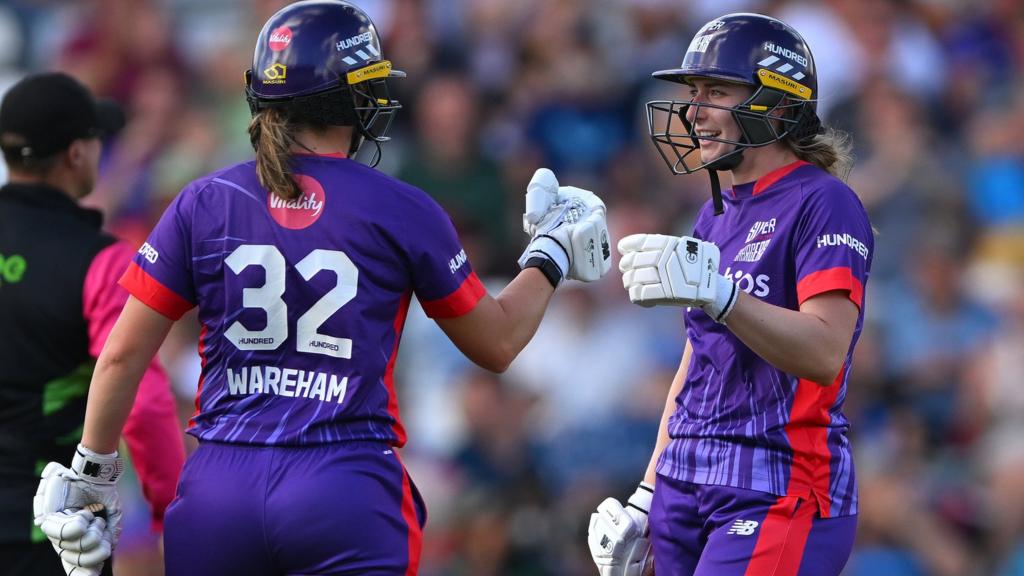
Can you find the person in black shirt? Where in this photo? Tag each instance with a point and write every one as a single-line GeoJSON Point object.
{"type": "Point", "coordinates": [59, 299]}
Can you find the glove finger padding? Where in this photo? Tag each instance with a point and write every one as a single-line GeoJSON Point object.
{"type": "Point", "coordinates": [660, 269]}
{"type": "Point", "coordinates": [62, 489]}
{"type": "Point", "coordinates": [75, 570]}
{"type": "Point", "coordinates": [88, 560]}
{"type": "Point", "coordinates": [75, 530]}
{"type": "Point", "coordinates": [80, 539]}
{"type": "Point", "coordinates": [591, 248]}
{"type": "Point", "coordinates": [541, 195]}
{"type": "Point", "coordinates": [644, 243]}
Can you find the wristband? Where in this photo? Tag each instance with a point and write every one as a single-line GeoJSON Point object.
{"type": "Point", "coordinates": [547, 267]}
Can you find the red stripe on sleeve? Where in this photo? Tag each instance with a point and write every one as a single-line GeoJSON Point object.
{"type": "Point", "coordinates": [782, 538]}
{"type": "Point", "coordinates": [459, 302]}
{"type": "Point", "coordinates": [772, 177]}
{"type": "Point", "coordinates": [154, 294]}
{"type": "Point", "coordinates": [840, 278]}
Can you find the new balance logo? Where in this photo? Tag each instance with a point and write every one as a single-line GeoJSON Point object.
{"type": "Point", "coordinates": [743, 527]}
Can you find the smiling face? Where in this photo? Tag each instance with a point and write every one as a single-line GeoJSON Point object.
{"type": "Point", "coordinates": [713, 121]}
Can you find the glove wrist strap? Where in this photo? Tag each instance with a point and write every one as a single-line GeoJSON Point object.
{"type": "Point", "coordinates": [642, 498]}
{"type": "Point", "coordinates": [548, 268]}
{"type": "Point", "coordinates": [97, 468]}
{"type": "Point", "coordinates": [726, 295]}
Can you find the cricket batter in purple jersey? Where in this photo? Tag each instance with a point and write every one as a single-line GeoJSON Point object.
{"type": "Point", "coordinates": [302, 265]}
{"type": "Point", "coordinates": [752, 472]}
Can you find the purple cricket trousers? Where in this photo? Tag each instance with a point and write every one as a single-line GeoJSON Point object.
{"type": "Point", "coordinates": [343, 508]}
{"type": "Point", "coordinates": [706, 530]}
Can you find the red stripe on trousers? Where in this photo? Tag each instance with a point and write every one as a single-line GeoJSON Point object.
{"type": "Point", "coordinates": [409, 514]}
{"type": "Point", "coordinates": [782, 538]}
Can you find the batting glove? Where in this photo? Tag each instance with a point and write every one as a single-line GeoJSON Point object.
{"type": "Point", "coordinates": [82, 541]}
{"type": "Point", "coordinates": [569, 229]}
{"type": "Point", "coordinates": [658, 269]}
{"type": "Point", "coordinates": [619, 536]}
{"type": "Point", "coordinates": [64, 492]}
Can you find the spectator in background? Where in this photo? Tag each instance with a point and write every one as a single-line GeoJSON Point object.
{"type": "Point", "coordinates": [448, 164]}
{"type": "Point", "coordinates": [935, 330]}
{"type": "Point", "coordinates": [59, 299]}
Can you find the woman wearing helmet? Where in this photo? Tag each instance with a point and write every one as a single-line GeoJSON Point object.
{"type": "Point", "coordinates": [302, 265]}
{"type": "Point", "coordinates": [752, 471]}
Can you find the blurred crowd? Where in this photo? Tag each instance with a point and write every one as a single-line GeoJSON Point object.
{"type": "Point", "coordinates": [932, 92]}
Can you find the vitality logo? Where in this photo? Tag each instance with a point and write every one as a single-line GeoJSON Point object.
{"type": "Point", "coordinates": [12, 268]}
{"type": "Point", "coordinates": [302, 211]}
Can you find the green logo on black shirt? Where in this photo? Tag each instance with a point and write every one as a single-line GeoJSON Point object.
{"type": "Point", "coordinates": [12, 268]}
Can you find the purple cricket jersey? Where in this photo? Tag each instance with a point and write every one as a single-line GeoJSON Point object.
{"type": "Point", "coordinates": [795, 233]}
{"type": "Point", "coordinates": [301, 303]}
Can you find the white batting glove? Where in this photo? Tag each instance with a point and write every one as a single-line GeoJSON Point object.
{"type": "Point", "coordinates": [62, 492]}
{"type": "Point", "coordinates": [82, 543]}
{"type": "Point", "coordinates": [619, 536]}
{"type": "Point", "coordinates": [677, 271]}
{"type": "Point", "coordinates": [541, 195]}
{"type": "Point", "coordinates": [569, 229]}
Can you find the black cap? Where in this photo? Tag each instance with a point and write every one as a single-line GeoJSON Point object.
{"type": "Point", "coordinates": [43, 113]}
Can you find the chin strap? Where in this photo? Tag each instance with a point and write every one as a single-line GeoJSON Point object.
{"type": "Point", "coordinates": [727, 162]}
{"type": "Point", "coordinates": [716, 192]}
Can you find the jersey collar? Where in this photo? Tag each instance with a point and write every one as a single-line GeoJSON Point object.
{"type": "Point", "coordinates": [775, 175]}
{"type": "Point", "coordinates": [764, 182]}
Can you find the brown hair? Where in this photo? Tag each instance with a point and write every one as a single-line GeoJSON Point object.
{"type": "Point", "coordinates": [272, 134]}
{"type": "Point", "coordinates": [831, 151]}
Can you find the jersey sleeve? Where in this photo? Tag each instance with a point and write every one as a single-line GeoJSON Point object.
{"type": "Point", "coordinates": [834, 244]}
{"type": "Point", "coordinates": [160, 274]}
{"type": "Point", "coordinates": [443, 278]}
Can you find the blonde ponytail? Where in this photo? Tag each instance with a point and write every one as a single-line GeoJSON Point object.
{"type": "Point", "coordinates": [831, 151]}
{"type": "Point", "coordinates": [272, 137]}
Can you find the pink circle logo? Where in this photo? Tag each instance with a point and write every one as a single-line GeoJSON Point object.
{"type": "Point", "coordinates": [302, 211]}
{"type": "Point", "coordinates": [280, 38]}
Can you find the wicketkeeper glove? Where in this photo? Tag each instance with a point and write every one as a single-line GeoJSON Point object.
{"type": "Point", "coordinates": [677, 271]}
{"type": "Point", "coordinates": [569, 229]}
{"type": "Point", "coordinates": [58, 506]}
{"type": "Point", "coordinates": [619, 536]}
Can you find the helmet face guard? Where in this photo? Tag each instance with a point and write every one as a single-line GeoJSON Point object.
{"type": "Point", "coordinates": [748, 49]}
{"type": "Point", "coordinates": [767, 116]}
{"type": "Point", "coordinates": [320, 62]}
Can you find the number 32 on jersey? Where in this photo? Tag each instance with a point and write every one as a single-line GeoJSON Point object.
{"type": "Point", "coordinates": [268, 298]}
